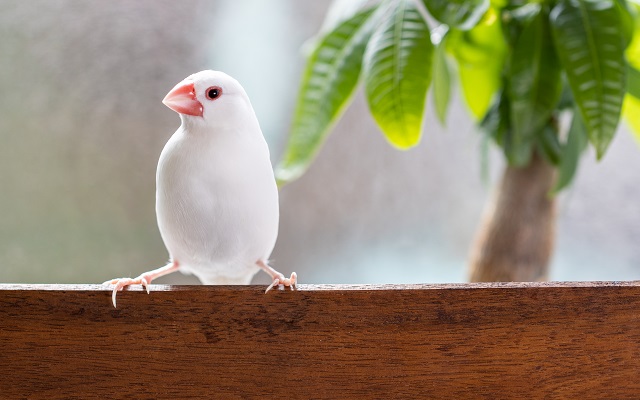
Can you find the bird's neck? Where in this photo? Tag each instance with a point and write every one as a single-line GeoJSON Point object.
{"type": "Point", "coordinates": [242, 129]}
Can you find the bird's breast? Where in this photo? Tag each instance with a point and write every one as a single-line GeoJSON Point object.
{"type": "Point", "coordinates": [216, 204]}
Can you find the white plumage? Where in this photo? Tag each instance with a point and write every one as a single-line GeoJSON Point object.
{"type": "Point", "coordinates": [216, 195]}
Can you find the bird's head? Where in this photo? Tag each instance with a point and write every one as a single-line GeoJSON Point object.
{"type": "Point", "coordinates": [208, 97]}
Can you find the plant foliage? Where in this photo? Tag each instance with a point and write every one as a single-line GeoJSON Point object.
{"type": "Point", "coordinates": [397, 73]}
{"type": "Point", "coordinates": [520, 65]}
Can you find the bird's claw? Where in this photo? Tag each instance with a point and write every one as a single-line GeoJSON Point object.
{"type": "Point", "coordinates": [121, 283]}
{"type": "Point", "coordinates": [281, 280]}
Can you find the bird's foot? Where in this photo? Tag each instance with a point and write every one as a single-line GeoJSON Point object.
{"type": "Point", "coordinates": [279, 279]}
{"type": "Point", "coordinates": [144, 279]}
{"type": "Point", "coordinates": [121, 283]}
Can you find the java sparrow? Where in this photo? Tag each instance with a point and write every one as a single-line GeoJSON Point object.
{"type": "Point", "coordinates": [216, 195]}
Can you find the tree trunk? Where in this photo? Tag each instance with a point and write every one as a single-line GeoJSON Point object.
{"type": "Point", "coordinates": [516, 237]}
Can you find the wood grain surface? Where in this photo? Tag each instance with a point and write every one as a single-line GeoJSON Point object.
{"type": "Point", "coordinates": [486, 341]}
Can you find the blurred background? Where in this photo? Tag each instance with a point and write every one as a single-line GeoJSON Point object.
{"type": "Point", "coordinates": [82, 126]}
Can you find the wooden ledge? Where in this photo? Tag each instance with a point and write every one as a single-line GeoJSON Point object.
{"type": "Point", "coordinates": [332, 287]}
{"type": "Point", "coordinates": [507, 340]}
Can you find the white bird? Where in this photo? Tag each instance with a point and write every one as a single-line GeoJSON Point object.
{"type": "Point", "coordinates": [216, 195]}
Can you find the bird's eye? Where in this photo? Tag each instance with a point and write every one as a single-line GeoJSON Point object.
{"type": "Point", "coordinates": [214, 92]}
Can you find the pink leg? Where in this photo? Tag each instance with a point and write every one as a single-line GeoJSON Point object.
{"type": "Point", "coordinates": [278, 278]}
{"type": "Point", "coordinates": [144, 279]}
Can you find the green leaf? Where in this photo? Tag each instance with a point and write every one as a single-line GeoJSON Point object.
{"type": "Point", "coordinates": [631, 105]}
{"type": "Point", "coordinates": [566, 98]}
{"type": "Point", "coordinates": [496, 121]}
{"type": "Point", "coordinates": [441, 75]}
{"type": "Point", "coordinates": [631, 112]}
{"type": "Point", "coordinates": [397, 73]}
{"type": "Point", "coordinates": [461, 14]}
{"type": "Point", "coordinates": [480, 54]}
{"type": "Point", "coordinates": [534, 79]}
{"type": "Point", "coordinates": [570, 155]}
{"type": "Point", "coordinates": [499, 3]}
{"type": "Point", "coordinates": [590, 46]}
{"type": "Point", "coordinates": [633, 50]}
{"type": "Point", "coordinates": [339, 11]}
{"type": "Point", "coordinates": [549, 145]}
{"type": "Point", "coordinates": [497, 124]}
{"type": "Point", "coordinates": [514, 20]}
{"type": "Point", "coordinates": [627, 16]}
{"type": "Point", "coordinates": [633, 82]}
{"type": "Point", "coordinates": [328, 82]}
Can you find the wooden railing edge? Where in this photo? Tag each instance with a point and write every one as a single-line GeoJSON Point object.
{"type": "Point", "coordinates": [326, 287]}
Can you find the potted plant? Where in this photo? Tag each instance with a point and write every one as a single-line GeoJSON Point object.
{"type": "Point", "coordinates": [545, 80]}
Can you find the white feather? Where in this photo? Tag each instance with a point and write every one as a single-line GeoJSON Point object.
{"type": "Point", "coordinates": [216, 195]}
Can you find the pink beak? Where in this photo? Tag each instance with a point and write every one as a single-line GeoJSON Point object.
{"type": "Point", "coordinates": [182, 99]}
